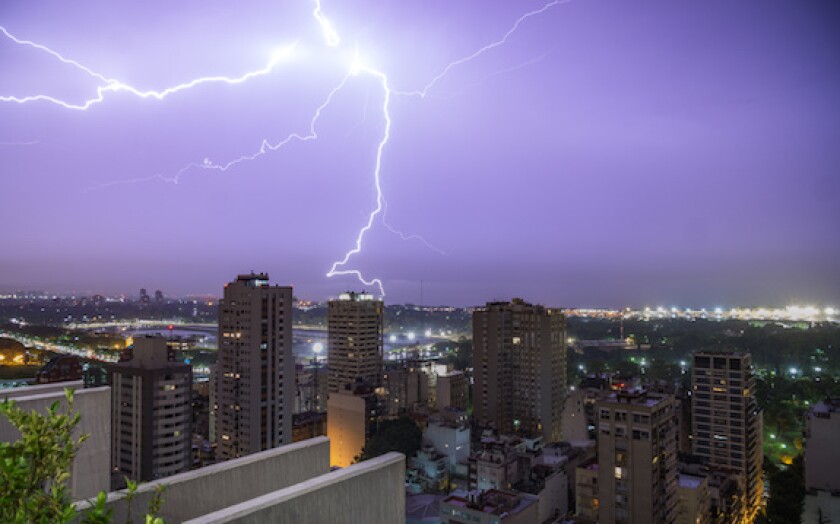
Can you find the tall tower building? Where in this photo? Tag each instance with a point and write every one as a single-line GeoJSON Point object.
{"type": "Point", "coordinates": [519, 357]}
{"type": "Point", "coordinates": [255, 367]}
{"type": "Point", "coordinates": [354, 324]}
{"type": "Point", "coordinates": [151, 414]}
{"type": "Point", "coordinates": [637, 458]}
{"type": "Point", "coordinates": [726, 422]}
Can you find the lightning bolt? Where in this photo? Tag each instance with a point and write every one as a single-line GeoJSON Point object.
{"type": "Point", "coordinates": [115, 86]}
{"type": "Point", "coordinates": [492, 45]}
{"type": "Point", "coordinates": [331, 39]}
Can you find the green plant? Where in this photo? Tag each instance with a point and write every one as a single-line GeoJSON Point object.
{"type": "Point", "coordinates": [34, 470]}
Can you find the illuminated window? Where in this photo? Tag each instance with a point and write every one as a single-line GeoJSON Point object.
{"type": "Point", "coordinates": [619, 473]}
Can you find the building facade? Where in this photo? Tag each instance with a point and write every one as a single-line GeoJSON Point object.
{"type": "Point", "coordinates": [519, 357]}
{"type": "Point", "coordinates": [695, 501]}
{"type": "Point", "coordinates": [255, 369]}
{"type": "Point", "coordinates": [151, 414]}
{"type": "Point", "coordinates": [352, 416]}
{"type": "Point", "coordinates": [637, 458]}
{"type": "Point", "coordinates": [452, 391]}
{"type": "Point", "coordinates": [726, 422]}
{"type": "Point", "coordinates": [822, 463]}
{"type": "Point", "coordinates": [354, 323]}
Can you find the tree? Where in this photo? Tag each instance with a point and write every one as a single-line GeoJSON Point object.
{"type": "Point", "coordinates": [400, 434]}
{"type": "Point", "coordinates": [787, 494]}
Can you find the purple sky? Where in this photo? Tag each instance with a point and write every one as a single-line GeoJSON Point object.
{"type": "Point", "coordinates": [610, 153]}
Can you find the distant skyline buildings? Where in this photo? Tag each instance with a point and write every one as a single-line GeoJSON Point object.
{"type": "Point", "coordinates": [685, 184]}
{"type": "Point", "coordinates": [812, 311]}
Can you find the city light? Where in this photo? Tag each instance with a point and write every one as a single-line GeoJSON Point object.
{"type": "Point", "coordinates": [317, 347]}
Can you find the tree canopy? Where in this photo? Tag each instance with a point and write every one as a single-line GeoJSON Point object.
{"type": "Point", "coordinates": [400, 434]}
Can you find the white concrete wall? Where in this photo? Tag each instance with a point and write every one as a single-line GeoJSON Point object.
{"type": "Point", "coordinates": [90, 473]}
{"type": "Point", "coordinates": [371, 492]}
{"type": "Point", "coordinates": [449, 441]}
{"type": "Point", "coordinates": [554, 498]}
{"type": "Point", "coordinates": [195, 493]}
{"type": "Point", "coordinates": [824, 505]}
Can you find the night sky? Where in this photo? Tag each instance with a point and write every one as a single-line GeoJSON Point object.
{"type": "Point", "coordinates": [609, 153]}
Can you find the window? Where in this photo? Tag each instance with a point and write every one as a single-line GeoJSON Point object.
{"type": "Point", "coordinates": [619, 473]}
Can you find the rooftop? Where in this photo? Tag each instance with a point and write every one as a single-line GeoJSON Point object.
{"type": "Point", "coordinates": [825, 407]}
{"type": "Point", "coordinates": [491, 502]}
{"type": "Point", "coordinates": [637, 398]}
{"type": "Point", "coordinates": [353, 296]}
{"type": "Point", "coordinates": [689, 481]}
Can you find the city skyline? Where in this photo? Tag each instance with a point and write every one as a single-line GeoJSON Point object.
{"type": "Point", "coordinates": [687, 159]}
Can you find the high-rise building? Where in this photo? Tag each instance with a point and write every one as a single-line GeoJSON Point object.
{"type": "Point", "coordinates": [255, 368]}
{"type": "Point", "coordinates": [726, 423]}
{"type": "Point", "coordinates": [519, 357]}
{"type": "Point", "coordinates": [354, 322]}
{"type": "Point", "coordinates": [637, 458]}
{"type": "Point", "coordinates": [151, 413]}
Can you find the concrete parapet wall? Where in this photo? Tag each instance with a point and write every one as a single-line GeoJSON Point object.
{"type": "Point", "coordinates": [91, 470]}
{"type": "Point", "coordinates": [371, 492]}
{"type": "Point", "coordinates": [198, 492]}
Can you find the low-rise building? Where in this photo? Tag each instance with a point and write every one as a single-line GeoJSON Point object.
{"type": "Point", "coordinates": [429, 470]}
{"type": "Point", "coordinates": [495, 464]}
{"type": "Point", "coordinates": [489, 507]}
{"type": "Point", "coordinates": [449, 439]}
{"type": "Point", "coordinates": [60, 368]}
{"type": "Point", "coordinates": [452, 390]}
